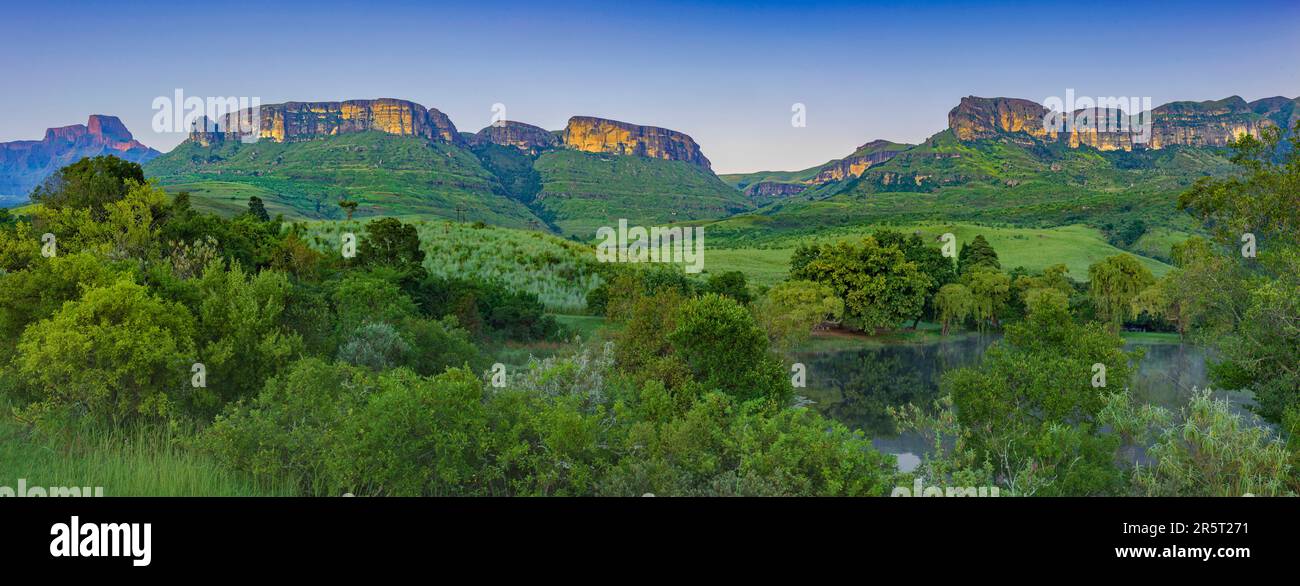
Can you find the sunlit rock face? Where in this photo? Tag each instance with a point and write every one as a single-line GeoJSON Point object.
{"type": "Point", "coordinates": [1211, 123]}
{"type": "Point", "coordinates": [525, 137]}
{"type": "Point", "coordinates": [298, 121]}
{"type": "Point", "coordinates": [598, 135]}
{"type": "Point", "coordinates": [872, 153]}
{"type": "Point", "coordinates": [25, 163]}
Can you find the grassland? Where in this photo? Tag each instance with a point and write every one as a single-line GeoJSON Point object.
{"type": "Point", "coordinates": [584, 191]}
{"type": "Point", "coordinates": [147, 460]}
{"type": "Point", "coordinates": [398, 176]}
{"type": "Point", "coordinates": [558, 271]}
{"type": "Point", "coordinates": [1076, 246]}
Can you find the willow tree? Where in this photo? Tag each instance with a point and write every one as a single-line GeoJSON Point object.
{"type": "Point", "coordinates": [990, 290]}
{"type": "Point", "coordinates": [1114, 282]}
{"type": "Point", "coordinates": [955, 303]}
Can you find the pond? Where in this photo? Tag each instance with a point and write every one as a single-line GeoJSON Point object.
{"type": "Point", "coordinates": [855, 386]}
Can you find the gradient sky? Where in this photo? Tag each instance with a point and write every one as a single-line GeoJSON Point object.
{"type": "Point", "coordinates": [726, 73]}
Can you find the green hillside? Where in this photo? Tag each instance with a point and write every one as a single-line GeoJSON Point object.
{"type": "Point", "coordinates": [389, 175]}
{"type": "Point", "coordinates": [582, 191]}
{"type": "Point", "coordinates": [1005, 182]}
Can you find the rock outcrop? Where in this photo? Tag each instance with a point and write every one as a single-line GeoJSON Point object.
{"type": "Point", "coordinates": [765, 192]}
{"type": "Point", "coordinates": [298, 121]}
{"type": "Point", "coordinates": [1212, 123]}
{"type": "Point", "coordinates": [25, 163]}
{"type": "Point", "coordinates": [525, 137]}
{"type": "Point", "coordinates": [599, 135]}
{"type": "Point", "coordinates": [872, 153]}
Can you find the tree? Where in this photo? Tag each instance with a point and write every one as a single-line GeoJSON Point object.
{"type": "Point", "coordinates": [990, 290]}
{"type": "Point", "coordinates": [729, 284]}
{"type": "Point", "coordinates": [955, 303]}
{"type": "Point", "coordinates": [257, 209]}
{"type": "Point", "coordinates": [1030, 409]}
{"type": "Point", "coordinates": [1248, 309]}
{"type": "Point", "coordinates": [929, 260]}
{"type": "Point", "coordinates": [89, 184]}
{"type": "Point", "coordinates": [725, 349]}
{"type": "Point", "coordinates": [349, 207]}
{"type": "Point", "coordinates": [391, 243]}
{"type": "Point", "coordinates": [1114, 282]}
{"type": "Point", "coordinates": [978, 253]}
{"type": "Point", "coordinates": [790, 310]}
{"type": "Point", "coordinates": [241, 339]}
{"type": "Point", "coordinates": [879, 286]}
{"type": "Point", "coordinates": [119, 351]}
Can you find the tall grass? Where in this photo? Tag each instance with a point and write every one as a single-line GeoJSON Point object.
{"type": "Point", "coordinates": [559, 272]}
{"type": "Point", "coordinates": [139, 460]}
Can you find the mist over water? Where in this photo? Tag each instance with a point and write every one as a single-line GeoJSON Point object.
{"type": "Point", "coordinates": [856, 386]}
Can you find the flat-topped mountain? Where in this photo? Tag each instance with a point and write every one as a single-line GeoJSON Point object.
{"type": "Point", "coordinates": [1204, 124]}
{"type": "Point", "coordinates": [25, 163]}
{"type": "Point", "coordinates": [600, 135]}
{"type": "Point", "coordinates": [298, 121]}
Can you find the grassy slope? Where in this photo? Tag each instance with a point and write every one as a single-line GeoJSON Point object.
{"type": "Point", "coordinates": [558, 271]}
{"type": "Point", "coordinates": [1033, 248]}
{"type": "Point", "coordinates": [584, 191]}
{"type": "Point", "coordinates": [997, 182]}
{"type": "Point", "coordinates": [390, 175]}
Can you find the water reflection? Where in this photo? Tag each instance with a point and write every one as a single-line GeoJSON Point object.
{"type": "Point", "coordinates": [856, 386]}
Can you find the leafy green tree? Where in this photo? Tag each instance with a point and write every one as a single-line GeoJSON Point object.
{"type": "Point", "coordinates": [730, 284]}
{"type": "Point", "coordinates": [1030, 410]}
{"type": "Point", "coordinates": [119, 352]}
{"type": "Point", "coordinates": [390, 242]}
{"type": "Point", "coordinates": [928, 259]}
{"type": "Point", "coordinates": [363, 298]}
{"type": "Point", "coordinates": [242, 341]}
{"type": "Point", "coordinates": [1247, 308]}
{"type": "Point", "coordinates": [89, 184]}
{"type": "Point", "coordinates": [879, 286]}
{"type": "Point", "coordinates": [990, 291]}
{"type": "Point", "coordinates": [1114, 282]}
{"type": "Point", "coordinates": [955, 303]}
{"type": "Point", "coordinates": [790, 310]}
{"type": "Point", "coordinates": [257, 209]}
{"type": "Point", "coordinates": [976, 254]}
{"type": "Point", "coordinates": [725, 349]}
{"type": "Point", "coordinates": [38, 292]}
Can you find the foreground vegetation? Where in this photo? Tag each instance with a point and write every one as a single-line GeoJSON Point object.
{"type": "Point", "coordinates": [246, 355]}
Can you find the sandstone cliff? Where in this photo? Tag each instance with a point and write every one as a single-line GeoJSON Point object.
{"type": "Point", "coordinates": [522, 136]}
{"type": "Point", "coordinates": [872, 153]}
{"type": "Point", "coordinates": [598, 135]}
{"type": "Point", "coordinates": [1212, 123]}
{"type": "Point", "coordinates": [297, 121]}
{"type": "Point", "coordinates": [25, 163]}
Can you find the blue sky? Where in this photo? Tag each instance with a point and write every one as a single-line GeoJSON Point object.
{"type": "Point", "coordinates": [727, 73]}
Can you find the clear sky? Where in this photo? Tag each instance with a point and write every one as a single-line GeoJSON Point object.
{"type": "Point", "coordinates": [727, 73]}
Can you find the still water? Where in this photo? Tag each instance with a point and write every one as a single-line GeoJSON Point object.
{"type": "Point", "coordinates": [855, 386]}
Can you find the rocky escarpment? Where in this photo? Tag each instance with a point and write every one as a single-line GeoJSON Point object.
{"type": "Point", "coordinates": [525, 137]}
{"type": "Point", "coordinates": [867, 155]}
{"type": "Point", "coordinates": [765, 192]}
{"type": "Point", "coordinates": [598, 135]}
{"type": "Point", "coordinates": [25, 163]}
{"type": "Point", "coordinates": [1212, 123]}
{"type": "Point", "coordinates": [298, 121]}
